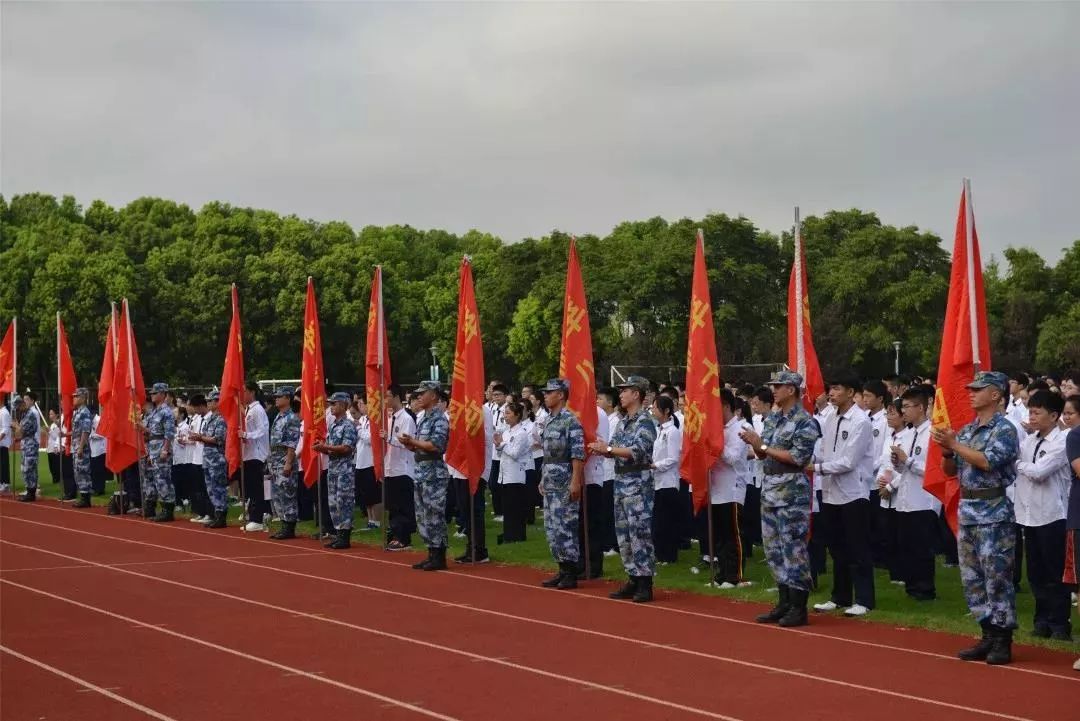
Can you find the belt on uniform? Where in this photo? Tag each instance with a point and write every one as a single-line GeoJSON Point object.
{"type": "Point", "coordinates": [981, 494]}
{"type": "Point", "coordinates": [427, 457]}
{"type": "Point", "coordinates": [157, 438]}
{"type": "Point", "coordinates": [280, 448]}
{"type": "Point", "coordinates": [630, 469]}
{"type": "Point", "coordinates": [560, 459]}
{"type": "Point", "coordinates": [773, 467]}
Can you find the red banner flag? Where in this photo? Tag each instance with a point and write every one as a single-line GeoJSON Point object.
{"type": "Point", "coordinates": [313, 389]}
{"type": "Point", "coordinates": [377, 372]}
{"type": "Point", "coordinates": [467, 443]}
{"type": "Point", "coordinates": [703, 431]}
{"type": "Point", "coordinates": [802, 357]}
{"type": "Point", "coordinates": [125, 406]}
{"type": "Point", "coordinates": [7, 361]}
{"type": "Point", "coordinates": [576, 356]}
{"type": "Point", "coordinates": [232, 388]}
{"type": "Point", "coordinates": [65, 379]}
{"type": "Point", "coordinates": [105, 378]}
{"type": "Point", "coordinates": [965, 349]}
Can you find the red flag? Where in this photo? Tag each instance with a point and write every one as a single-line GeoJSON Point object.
{"type": "Point", "coordinates": [965, 349]}
{"type": "Point", "coordinates": [801, 354]}
{"type": "Point", "coordinates": [377, 371]}
{"type": "Point", "coordinates": [313, 389]}
{"type": "Point", "coordinates": [7, 361]}
{"type": "Point", "coordinates": [467, 443]}
{"type": "Point", "coordinates": [105, 378]}
{"type": "Point", "coordinates": [65, 378]}
{"type": "Point", "coordinates": [703, 432]}
{"type": "Point", "coordinates": [576, 356]}
{"type": "Point", "coordinates": [232, 387]}
{"type": "Point", "coordinates": [125, 406]}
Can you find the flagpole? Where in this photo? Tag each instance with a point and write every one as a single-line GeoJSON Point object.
{"type": "Point", "coordinates": [122, 503]}
{"type": "Point", "coordinates": [139, 440]}
{"type": "Point", "coordinates": [969, 241]}
{"type": "Point", "coordinates": [60, 401]}
{"type": "Point", "coordinates": [14, 391]}
{"type": "Point", "coordinates": [380, 325]}
{"type": "Point", "coordinates": [800, 344]}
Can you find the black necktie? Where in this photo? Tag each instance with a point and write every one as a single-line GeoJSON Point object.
{"type": "Point", "coordinates": [1035, 455]}
{"type": "Point", "coordinates": [837, 436]}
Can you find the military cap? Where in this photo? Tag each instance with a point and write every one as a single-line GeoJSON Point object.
{"type": "Point", "coordinates": [429, 386]}
{"type": "Point", "coordinates": [213, 396]}
{"type": "Point", "coordinates": [340, 397]}
{"type": "Point", "coordinates": [785, 378]}
{"type": "Point", "coordinates": [81, 392]}
{"type": "Point", "coordinates": [639, 382]}
{"type": "Point", "coordinates": [283, 392]}
{"type": "Point", "coordinates": [986, 379]}
{"type": "Point", "coordinates": [160, 388]}
{"type": "Point", "coordinates": [556, 384]}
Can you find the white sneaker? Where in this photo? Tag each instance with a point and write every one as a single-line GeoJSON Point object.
{"type": "Point", "coordinates": [726, 585]}
{"type": "Point", "coordinates": [857, 610]}
{"type": "Point", "coordinates": [198, 519]}
{"type": "Point", "coordinates": [695, 570]}
{"type": "Point", "coordinates": [898, 583]}
{"type": "Point", "coordinates": [745, 584]}
{"type": "Point", "coordinates": [706, 559]}
{"type": "Point", "coordinates": [1076, 666]}
{"type": "Point", "coordinates": [253, 527]}
{"type": "Point", "coordinates": [459, 534]}
{"type": "Point", "coordinates": [498, 519]}
{"type": "Point", "coordinates": [611, 552]}
{"type": "Point", "coordinates": [5, 488]}
{"type": "Point", "coordinates": [824, 607]}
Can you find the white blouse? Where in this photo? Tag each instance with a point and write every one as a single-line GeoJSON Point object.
{"type": "Point", "coordinates": [667, 452]}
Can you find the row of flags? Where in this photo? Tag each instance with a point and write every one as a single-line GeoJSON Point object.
{"type": "Point", "coordinates": [964, 350]}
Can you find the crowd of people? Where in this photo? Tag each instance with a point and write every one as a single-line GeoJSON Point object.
{"type": "Point", "coordinates": [845, 482]}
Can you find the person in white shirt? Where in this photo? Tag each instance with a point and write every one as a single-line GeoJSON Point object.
{"type": "Point", "coordinates": [845, 500]}
{"type": "Point", "coordinates": [916, 510]}
{"type": "Point", "coordinates": [727, 494]}
{"type": "Point", "coordinates": [515, 448]}
{"type": "Point", "coordinates": [760, 407]}
{"type": "Point", "coordinates": [538, 417]}
{"type": "Point", "coordinates": [459, 490]}
{"type": "Point", "coordinates": [594, 523]}
{"type": "Point", "coordinates": [98, 444]}
{"type": "Point", "coordinates": [499, 393]}
{"type": "Point", "coordinates": [894, 420]}
{"type": "Point", "coordinates": [399, 472]}
{"type": "Point", "coordinates": [368, 492]}
{"type": "Point", "coordinates": [1043, 479]}
{"type": "Point", "coordinates": [666, 454]}
{"type": "Point", "coordinates": [686, 527]}
{"type": "Point", "coordinates": [875, 398]}
{"type": "Point", "coordinates": [53, 447]}
{"type": "Point", "coordinates": [607, 401]}
{"type": "Point", "coordinates": [256, 442]}
{"type": "Point", "coordinates": [7, 432]}
{"type": "Point", "coordinates": [182, 457]}
{"type": "Point", "coordinates": [1016, 405]}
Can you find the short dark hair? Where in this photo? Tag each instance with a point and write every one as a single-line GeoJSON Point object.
{"type": "Point", "coordinates": [727, 398]}
{"type": "Point", "coordinates": [903, 380]}
{"type": "Point", "coordinates": [916, 394]}
{"type": "Point", "coordinates": [670, 391]}
{"type": "Point", "coordinates": [197, 400]}
{"type": "Point", "coordinates": [1021, 378]}
{"type": "Point", "coordinates": [878, 389]}
{"type": "Point", "coordinates": [396, 391]}
{"type": "Point", "coordinates": [251, 386]}
{"type": "Point", "coordinates": [611, 394]}
{"type": "Point", "coordinates": [1050, 402]}
{"type": "Point", "coordinates": [1074, 401]}
{"type": "Point", "coordinates": [765, 395]}
{"type": "Point", "coordinates": [1038, 386]}
{"type": "Point", "coordinates": [1071, 375]}
{"type": "Point", "coordinates": [847, 380]}
{"type": "Point", "coordinates": [31, 395]}
{"type": "Point", "coordinates": [500, 388]}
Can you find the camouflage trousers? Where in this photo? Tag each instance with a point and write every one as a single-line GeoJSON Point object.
{"type": "Point", "coordinates": [81, 464]}
{"type": "Point", "coordinates": [341, 496]}
{"type": "Point", "coordinates": [633, 527]}
{"type": "Point", "coordinates": [987, 554]}
{"type": "Point", "coordinates": [785, 531]}
{"type": "Point", "coordinates": [160, 479]}
{"type": "Point", "coordinates": [30, 466]}
{"type": "Point", "coordinates": [561, 515]}
{"type": "Point", "coordinates": [215, 476]}
{"type": "Point", "coordinates": [282, 489]}
{"type": "Point", "coordinates": [429, 498]}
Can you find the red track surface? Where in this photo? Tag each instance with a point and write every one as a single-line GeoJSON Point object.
{"type": "Point", "coordinates": [114, 618]}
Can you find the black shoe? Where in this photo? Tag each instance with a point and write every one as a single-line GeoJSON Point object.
{"type": "Point", "coordinates": [979, 651]}
{"type": "Point", "coordinates": [343, 540]}
{"type": "Point", "coordinates": [29, 496]}
{"type": "Point", "coordinates": [796, 612]}
{"type": "Point", "coordinates": [422, 565]}
{"type": "Point", "coordinates": [1000, 652]}
{"type": "Point", "coordinates": [438, 560]}
{"type": "Point", "coordinates": [643, 594]}
{"type": "Point", "coordinates": [1041, 630]}
{"type": "Point", "coordinates": [779, 610]}
{"type": "Point", "coordinates": [554, 581]}
{"type": "Point", "coordinates": [481, 557]}
{"type": "Point", "coordinates": [219, 520]}
{"type": "Point", "coordinates": [569, 576]}
{"type": "Point", "coordinates": [287, 531]}
{"type": "Point", "coordinates": [627, 591]}
{"type": "Point", "coordinates": [166, 514]}
{"type": "Point", "coordinates": [1061, 634]}
{"type": "Point", "coordinates": [149, 509]}
{"type": "Point", "coordinates": [114, 506]}
{"type": "Point", "coordinates": [83, 502]}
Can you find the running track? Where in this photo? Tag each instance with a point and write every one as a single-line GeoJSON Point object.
{"type": "Point", "coordinates": [114, 618]}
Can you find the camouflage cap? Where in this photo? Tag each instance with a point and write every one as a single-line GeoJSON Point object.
{"type": "Point", "coordinates": [639, 382]}
{"type": "Point", "coordinates": [81, 392]}
{"type": "Point", "coordinates": [429, 386]}
{"type": "Point", "coordinates": [213, 396]}
{"type": "Point", "coordinates": [283, 392]}
{"type": "Point", "coordinates": [986, 379]}
{"type": "Point", "coordinates": [785, 378]}
{"type": "Point", "coordinates": [340, 397]}
{"type": "Point", "coordinates": [160, 388]}
{"type": "Point", "coordinates": [556, 384]}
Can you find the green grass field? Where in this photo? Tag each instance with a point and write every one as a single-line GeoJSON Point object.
{"type": "Point", "coordinates": [948, 613]}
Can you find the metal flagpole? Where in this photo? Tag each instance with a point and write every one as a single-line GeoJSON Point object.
{"type": "Point", "coordinates": [800, 347]}
{"type": "Point", "coordinates": [585, 520]}
{"type": "Point", "coordinates": [139, 440]}
{"type": "Point", "coordinates": [712, 540]}
{"type": "Point", "coordinates": [243, 496]}
{"type": "Point", "coordinates": [969, 242]}
{"type": "Point", "coordinates": [14, 391]}
{"type": "Point", "coordinates": [121, 502]}
{"type": "Point", "coordinates": [60, 405]}
{"type": "Point", "coordinates": [380, 325]}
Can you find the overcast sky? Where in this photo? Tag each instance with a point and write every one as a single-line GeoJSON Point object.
{"type": "Point", "coordinates": [520, 118]}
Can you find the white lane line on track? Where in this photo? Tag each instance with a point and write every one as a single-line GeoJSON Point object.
{"type": "Point", "coordinates": [73, 566]}
{"type": "Point", "coordinates": [87, 686]}
{"type": "Point", "coordinates": [376, 632]}
{"type": "Point", "coordinates": [526, 619]}
{"type": "Point", "coordinates": [240, 654]}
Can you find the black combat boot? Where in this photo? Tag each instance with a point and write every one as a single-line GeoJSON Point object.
{"type": "Point", "coordinates": [438, 559]}
{"type": "Point", "coordinates": [29, 496]}
{"type": "Point", "coordinates": [980, 650]}
{"type": "Point", "coordinates": [218, 521]}
{"type": "Point", "coordinates": [422, 565]}
{"type": "Point", "coordinates": [627, 591]}
{"type": "Point", "coordinates": [781, 607]}
{"type": "Point", "coordinates": [149, 509]}
{"type": "Point", "coordinates": [287, 531]}
{"type": "Point", "coordinates": [1000, 652]}
{"type": "Point", "coordinates": [166, 515]}
{"type": "Point", "coordinates": [83, 502]}
{"type": "Point", "coordinates": [555, 580]}
{"type": "Point", "coordinates": [796, 612]}
{"type": "Point", "coordinates": [643, 594]}
{"type": "Point", "coordinates": [342, 541]}
{"type": "Point", "coordinates": [569, 576]}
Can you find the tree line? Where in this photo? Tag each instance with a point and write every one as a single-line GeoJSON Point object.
{"type": "Point", "coordinates": [870, 284]}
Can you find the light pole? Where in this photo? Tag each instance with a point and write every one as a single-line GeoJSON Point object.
{"type": "Point", "coordinates": [434, 364]}
{"type": "Point", "coordinates": [896, 365]}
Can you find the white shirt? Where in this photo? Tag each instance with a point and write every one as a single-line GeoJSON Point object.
{"type": "Point", "coordinates": [756, 466]}
{"type": "Point", "coordinates": [596, 464]}
{"type": "Point", "coordinates": [499, 426]}
{"type": "Point", "coordinates": [196, 446]}
{"type": "Point", "coordinates": [879, 425]}
{"type": "Point", "coordinates": [324, 459]}
{"type": "Point", "coordinates": [257, 434]}
{"type": "Point", "coordinates": [399, 459]}
{"type": "Point", "coordinates": [365, 457]}
{"type": "Point", "coordinates": [727, 477]}
{"type": "Point", "coordinates": [1042, 479]}
{"type": "Point", "coordinates": [667, 452]}
{"type": "Point", "coordinates": [516, 454]}
{"type": "Point", "coordinates": [182, 448]}
{"type": "Point", "coordinates": [53, 445]}
{"type": "Point", "coordinates": [5, 427]}
{"type": "Point", "coordinates": [98, 444]}
{"type": "Point", "coordinates": [489, 446]}
{"type": "Point", "coordinates": [1017, 412]}
{"type": "Point", "coordinates": [907, 480]}
{"type": "Point", "coordinates": [844, 441]}
{"type": "Point", "coordinates": [537, 428]}
{"type": "Point", "coordinates": [609, 464]}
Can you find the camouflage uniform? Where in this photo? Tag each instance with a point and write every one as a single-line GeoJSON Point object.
{"type": "Point", "coordinates": [30, 425]}
{"type": "Point", "coordinates": [987, 535]}
{"type": "Point", "coordinates": [563, 441]}
{"type": "Point", "coordinates": [215, 466]}
{"type": "Point", "coordinates": [81, 422]}
{"type": "Point", "coordinates": [432, 478]}
{"type": "Point", "coordinates": [284, 435]}
{"type": "Point", "coordinates": [634, 494]}
{"type": "Point", "coordinates": [786, 497]}
{"type": "Point", "coordinates": [161, 425]}
{"type": "Point", "coordinates": [341, 488]}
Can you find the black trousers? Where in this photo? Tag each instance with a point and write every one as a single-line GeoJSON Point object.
{"type": "Point", "coordinates": [593, 525]}
{"type": "Point", "coordinates": [1018, 563]}
{"type": "Point", "coordinates": [517, 509]}
{"type": "Point", "coordinates": [181, 479]}
{"type": "Point", "coordinates": [67, 473]}
{"type": "Point", "coordinates": [608, 539]}
{"type": "Point", "coordinates": [948, 541]}
{"type": "Point", "coordinates": [98, 474]}
{"type": "Point", "coordinates": [5, 467]}
{"type": "Point", "coordinates": [402, 511]}
{"type": "Point", "coordinates": [54, 467]}
{"type": "Point", "coordinates": [727, 540]}
{"type": "Point", "coordinates": [816, 547]}
{"type": "Point", "coordinates": [847, 536]}
{"type": "Point", "coordinates": [750, 521]}
{"type": "Point", "coordinates": [532, 493]}
{"type": "Point", "coordinates": [686, 515]}
{"type": "Point", "coordinates": [129, 477]}
{"type": "Point", "coordinates": [667, 524]}
{"type": "Point", "coordinates": [257, 503]}
{"type": "Point", "coordinates": [305, 498]}
{"type": "Point", "coordinates": [1045, 551]}
{"type": "Point", "coordinates": [461, 492]}
{"type": "Point", "coordinates": [496, 490]}
{"type": "Point", "coordinates": [200, 500]}
{"type": "Point", "coordinates": [326, 523]}
{"type": "Point", "coordinates": [882, 531]}
{"type": "Point", "coordinates": [916, 532]}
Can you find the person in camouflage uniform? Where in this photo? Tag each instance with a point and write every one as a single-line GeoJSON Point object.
{"type": "Point", "coordinates": [431, 479]}
{"type": "Point", "coordinates": [561, 482]}
{"type": "Point", "coordinates": [215, 466]}
{"type": "Point", "coordinates": [284, 435]}
{"type": "Point", "coordinates": [983, 457]}
{"type": "Point", "coordinates": [82, 423]}
{"type": "Point", "coordinates": [340, 445]}
{"type": "Point", "coordinates": [632, 448]}
{"type": "Point", "coordinates": [786, 444]}
{"type": "Point", "coordinates": [29, 443]}
{"type": "Point", "coordinates": [160, 427]}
